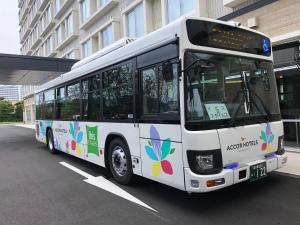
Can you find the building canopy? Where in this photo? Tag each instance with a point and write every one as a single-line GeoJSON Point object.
{"type": "Point", "coordinates": [31, 70]}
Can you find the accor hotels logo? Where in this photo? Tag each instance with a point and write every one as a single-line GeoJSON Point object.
{"type": "Point", "coordinates": [242, 145]}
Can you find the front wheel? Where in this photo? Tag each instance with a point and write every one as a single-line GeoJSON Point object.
{"type": "Point", "coordinates": [119, 160]}
{"type": "Point", "coordinates": [50, 142]}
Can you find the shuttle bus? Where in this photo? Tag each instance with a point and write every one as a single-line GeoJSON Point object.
{"type": "Point", "coordinates": [193, 105]}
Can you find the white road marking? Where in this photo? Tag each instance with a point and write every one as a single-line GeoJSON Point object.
{"type": "Point", "coordinates": [106, 185]}
{"type": "Point", "coordinates": [76, 170]}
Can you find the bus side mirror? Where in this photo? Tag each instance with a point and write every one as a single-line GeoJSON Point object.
{"type": "Point", "coordinates": [167, 71]}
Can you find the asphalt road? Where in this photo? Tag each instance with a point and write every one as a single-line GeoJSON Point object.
{"type": "Point", "coordinates": [35, 189]}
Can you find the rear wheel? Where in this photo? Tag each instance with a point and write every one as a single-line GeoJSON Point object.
{"type": "Point", "coordinates": [50, 142]}
{"type": "Point", "coordinates": [119, 160]}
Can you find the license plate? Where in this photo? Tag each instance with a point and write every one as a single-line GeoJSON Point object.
{"type": "Point", "coordinates": [258, 171]}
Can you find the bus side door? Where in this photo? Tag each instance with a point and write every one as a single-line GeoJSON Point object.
{"type": "Point", "coordinates": [160, 130]}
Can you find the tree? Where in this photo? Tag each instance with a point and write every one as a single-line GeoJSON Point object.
{"type": "Point", "coordinates": [6, 111]}
{"type": "Point", "coordinates": [6, 107]}
{"type": "Point", "coordinates": [19, 106]}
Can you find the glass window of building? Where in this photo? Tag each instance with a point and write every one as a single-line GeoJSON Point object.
{"type": "Point", "coordinates": [177, 8]}
{"type": "Point", "coordinates": [58, 35]}
{"type": "Point", "coordinates": [87, 48]}
{"type": "Point", "coordinates": [85, 10]}
{"type": "Point", "coordinates": [103, 2]}
{"type": "Point", "coordinates": [135, 22]}
{"type": "Point", "coordinates": [69, 25]}
{"type": "Point", "coordinates": [70, 55]}
{"type": "Point", "coordinates": [107, 36]}
{"type": "Point", "coordinates": [49, 15]}
{"type": "Point", "coordinates": [57, 5]}
{"type": "Point", "coordinates": [49, 46]}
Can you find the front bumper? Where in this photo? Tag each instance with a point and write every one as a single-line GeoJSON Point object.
{"type": "Point", "coordinates": [231, 176]}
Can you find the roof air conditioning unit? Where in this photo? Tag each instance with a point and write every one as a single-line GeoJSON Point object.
{"type": "Point", "coordinates": [118, 44]}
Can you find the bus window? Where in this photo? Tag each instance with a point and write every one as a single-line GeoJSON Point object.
{"type": "Point", "coordinates": [60, 103]}
{"type": "Point", "coordinates": [91, 98]}
{"type": "Point", "coordinates": [49, 104]}
{"type": "Point", "coordinates": [72, 106]}
{"type": "Point", "coordinates": [39, 99]}
{"type": "Point", "coordinates": [118, 93]}
{"type": "Point", "coordinates": [160, 95]}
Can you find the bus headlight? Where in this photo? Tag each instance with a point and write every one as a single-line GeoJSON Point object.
{"type": "Point", "coordinates": [280, 148]}
{"type": "Point", "coordinates": [205, 162]}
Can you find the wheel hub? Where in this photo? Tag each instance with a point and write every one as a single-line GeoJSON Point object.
{"type": "Point", "coordinates": [50, 144]}
{"type": "Point", "coordinates": [119, 161]}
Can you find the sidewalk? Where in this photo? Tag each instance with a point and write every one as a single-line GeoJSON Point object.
{"type": "Point", "coordinates": [31, 126]}
{"type": "Point", "coordinates": [293, 164]}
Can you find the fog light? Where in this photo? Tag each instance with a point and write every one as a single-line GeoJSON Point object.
{"type": "Point", "coordinates": [213, 183]}
{"type": "Point", "coordinates": [194, 183]}
{"type": "Point", "coordinates": [280, 148]}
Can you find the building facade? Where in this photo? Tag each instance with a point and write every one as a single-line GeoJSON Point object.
{"type": "Point", "coordinates": [10, 92]}
{"type": "Point", "coordinates": [77, 28]}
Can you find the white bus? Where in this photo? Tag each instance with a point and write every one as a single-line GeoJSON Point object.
{"type": "Point", "coordinates": [193, 105]}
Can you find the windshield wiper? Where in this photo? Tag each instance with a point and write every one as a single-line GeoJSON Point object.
{"type": "Point", "coordinates": [233, 118]}
{"type": "Point", "coordinates": [267, 111]}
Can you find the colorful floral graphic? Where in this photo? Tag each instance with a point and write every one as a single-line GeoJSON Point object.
{"type": "Point", "coordinates": [67, 147]}
{"type": "Point", "coordinates": [43, 127]}
{"type": "Point", "coordinates": [77, 135]}
{"type": "Point", "coordinates": [267, 138]}
{"type": "Point", "coordinates": [56, 144]}
{"type": "Point", "coordinates": [159, 152]}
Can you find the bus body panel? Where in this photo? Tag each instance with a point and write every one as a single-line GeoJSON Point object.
{"type": "Point", "coordinates": [86, 140]}
{"type": "Point", "coordinates": [249, 143]}
{"type": "Point", "coordinates": [161, 153]}
{"type": "Point", "coordinates": [199, 141]}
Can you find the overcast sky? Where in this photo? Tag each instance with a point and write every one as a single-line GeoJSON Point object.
{"type": "Point", "coordinates": [9, 27]}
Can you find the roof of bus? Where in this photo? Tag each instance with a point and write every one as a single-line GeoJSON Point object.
{"type": "Point", "coordinates": [147, 42]}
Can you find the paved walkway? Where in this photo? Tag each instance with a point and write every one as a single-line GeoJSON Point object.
{"type": "Point", "coordinates": [292, 167]}
{"type": "Point", "coordinates": [31, 126]}
{"type": "Point", "coordinates": [293, 164]}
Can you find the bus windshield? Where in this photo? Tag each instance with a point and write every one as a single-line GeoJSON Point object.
{"type": "Point", "coordinates": [224, 90]}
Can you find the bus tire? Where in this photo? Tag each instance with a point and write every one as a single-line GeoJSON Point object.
{"type": "Point", "coordinates": [50, 142]}
{"type": "Point", "coordinates": [119, 160]}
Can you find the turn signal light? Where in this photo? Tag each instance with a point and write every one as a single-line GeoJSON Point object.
{"type": "Point", "coordinates": [213, 183]}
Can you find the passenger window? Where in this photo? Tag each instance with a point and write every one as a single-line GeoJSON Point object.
{"type": "Point", "coordinates": [91, 98]}
{"type": "Point", "coordinates": [72, 106]}
{"type": "Point", "coordinates": [118, 93]}
{"type": "Point", "coordinates": [150, 91]}
{"type": "Point", "coordinates": [159, 91]}
{"type": "Point", "coordinates": [39, 101]}
{"type": "Point", "coordinates": [49, 104]}
{"type": "Point", "coordinates": [60, 103]}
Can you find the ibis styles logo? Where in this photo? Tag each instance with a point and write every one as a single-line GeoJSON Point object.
{"type": "Point", "coordinates": [267, 137]}
{"type": "Point", "coordinates": [159, 151]}
{"type": "Point", "coordinates": [92, 140]}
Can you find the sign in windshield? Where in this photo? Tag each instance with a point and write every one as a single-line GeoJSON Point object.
{"type": "Point", "coordinates": [210, 34]}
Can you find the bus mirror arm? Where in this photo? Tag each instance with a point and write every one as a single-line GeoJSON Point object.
{"type": "Point", "coordinates": [186, 69]}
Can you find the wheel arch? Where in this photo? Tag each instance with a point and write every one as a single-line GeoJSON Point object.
{"type": "Point", "coordinates": [111, 136]}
